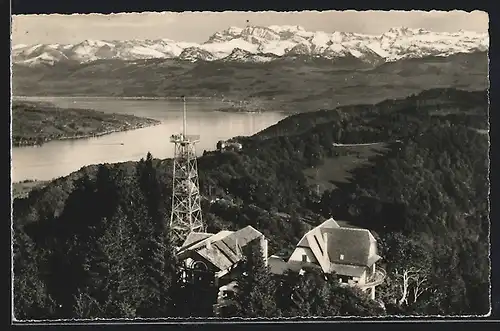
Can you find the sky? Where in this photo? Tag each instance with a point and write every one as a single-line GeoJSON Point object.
{"type": "Point", "coordinates": [198, 26]}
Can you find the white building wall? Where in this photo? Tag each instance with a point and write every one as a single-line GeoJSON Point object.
{"type": "Point", "coordinates": [329, 224]}
{"type": "Point", "coordinates": [362, 278]}
{"type": "Point", "coordinates": [188, 262]}
{"type": "Point", "coordinates": [299, 252]}
{"type": "Point", "coordinates": [264, 244]}
{"type": "Point", "coordinates": [373, 248]}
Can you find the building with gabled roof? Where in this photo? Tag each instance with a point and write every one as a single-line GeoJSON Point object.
{"type": "Point", "coordinates": [217, 255]}
{"type": "Point", "coordinates": [351, 253]}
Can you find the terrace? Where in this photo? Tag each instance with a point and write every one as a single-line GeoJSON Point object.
{"type": "Point", "coordinates": [375, 279]}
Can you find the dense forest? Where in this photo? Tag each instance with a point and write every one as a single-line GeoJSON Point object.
{"type": "Point", "coordinates": [96, 243]}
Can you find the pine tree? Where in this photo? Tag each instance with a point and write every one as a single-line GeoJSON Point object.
{"type": "Point", "coordinates": [105, 253]}
{"type": "Point", "coordinates": [313, 293]}
{"type": "Point", "coordinates": [69, 246]}
{"type": "Point", "coordinates": [310, 295]}
{"type": "Point", "coordinates": [31, 298]}
{"type": "Point", "coordinates": [350, 301]}
{"type": "Point", "coordinates": [156, 249]}
{"type": "Point", "coordinates": [115, 277]}
{"type": "Point", "coordinates": [256, 286]}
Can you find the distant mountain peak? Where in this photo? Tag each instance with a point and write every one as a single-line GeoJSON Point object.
{"type": "Point", "coordinates": [248, 43]}
{"type": "Point", "coordinates": [399, 29]}
{"type": "Point", "coordinates": [291, 28]}
{"type": "Point", "coordinates": [238, 51]}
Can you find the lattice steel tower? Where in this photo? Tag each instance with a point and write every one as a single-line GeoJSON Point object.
{"type": "Point", "coordinates": [186, 207]}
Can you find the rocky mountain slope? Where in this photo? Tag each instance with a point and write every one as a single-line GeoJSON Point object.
{"type": "Point", "coordinates": [264, 44]}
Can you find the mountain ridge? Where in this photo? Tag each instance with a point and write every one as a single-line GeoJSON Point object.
{"type": "Point", "coordinates": [294, 84]}
{"type": "Point", "coordinates": [264, 44]}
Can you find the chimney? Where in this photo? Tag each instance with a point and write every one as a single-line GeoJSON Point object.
{"type": "Point", "coordinates": [326, 258]}
{"type": "Point", "coordinates": [263, 243]}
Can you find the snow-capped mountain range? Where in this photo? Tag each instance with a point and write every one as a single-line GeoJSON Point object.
{"type": "Point", "coordinates": [263, 44]}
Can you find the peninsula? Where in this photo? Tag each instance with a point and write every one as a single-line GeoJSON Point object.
{"type": "Point", "coordinates": [35, 123]}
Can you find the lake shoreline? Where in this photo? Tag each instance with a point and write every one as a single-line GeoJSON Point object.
{"type": "Point", "coordinates": [63, 156]}
{"type": "Point", "coordinates": [229, 109]}
{"type": "Point", "coordinates": [31, 97]}
{"type": "Point", "coordinates": [41, 141]}
{"type": "Point", "coordinates": [239, 110]}
{"type": "Point", "coordinates": [35, 123]}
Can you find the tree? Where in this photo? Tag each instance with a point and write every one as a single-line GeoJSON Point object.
{"type": "Point", "coordinates": [351, 301]}
{"type": "Point", "coordinates": [256, 286]}
{"type": "Point", "coordinates": [409, 269]}
{"type": "Point", "coordinates": [309, 295]}
{"type": "Point", "coordinates": [312, 293]}
{"type": "Point", "coordinates": [86, 307]}
{"type": "Point", "coordinates": [156, 248]}
{"type": "Point", "coordinates": [69, 247]}
{"type": "Point", "coordinates": [31, 297]}
{"type": "Point", "coordinates": [115, 277]}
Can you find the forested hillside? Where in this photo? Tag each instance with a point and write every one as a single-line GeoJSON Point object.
{"type": "Point", "coordinates": [422, 188]}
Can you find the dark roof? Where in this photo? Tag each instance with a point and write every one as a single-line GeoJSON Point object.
{"type": "Point", "coordinates": [297, 265]}
{"type": "Point", "coordinates": [243, 236]}
{"type": "Point", "coordinates": [193, 241]}
{"type": "Point", "coordinates": [231, 254]}
{"type": "Point", "coordinates": [348, 270]}
{"type": "Point", "coordinates": [223, 249]}
{"type": "Point", "coordinates": [195, 237]}
{"type": "Point", "coordinates": [215, 256]}
{"type": "Point", "coordinates": [277, 265]}
{"type": "Point", "coordinates": [353, 244]}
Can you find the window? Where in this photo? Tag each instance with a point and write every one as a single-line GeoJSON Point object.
{"type": "Point", "coordinates": [341, 256]}
{"type": "Point", "coordinates": [304, 258]}
{"type": "Point", "coordinates": [344, 279]}
{"type": "Point", "coordinates": [199, 265]}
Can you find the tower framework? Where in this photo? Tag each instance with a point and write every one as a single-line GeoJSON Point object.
{"type": "Point", "coordinates": [186, 207]}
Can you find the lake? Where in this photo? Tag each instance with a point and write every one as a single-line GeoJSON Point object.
{"type": "Point", "coordinates": [60, 158]}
